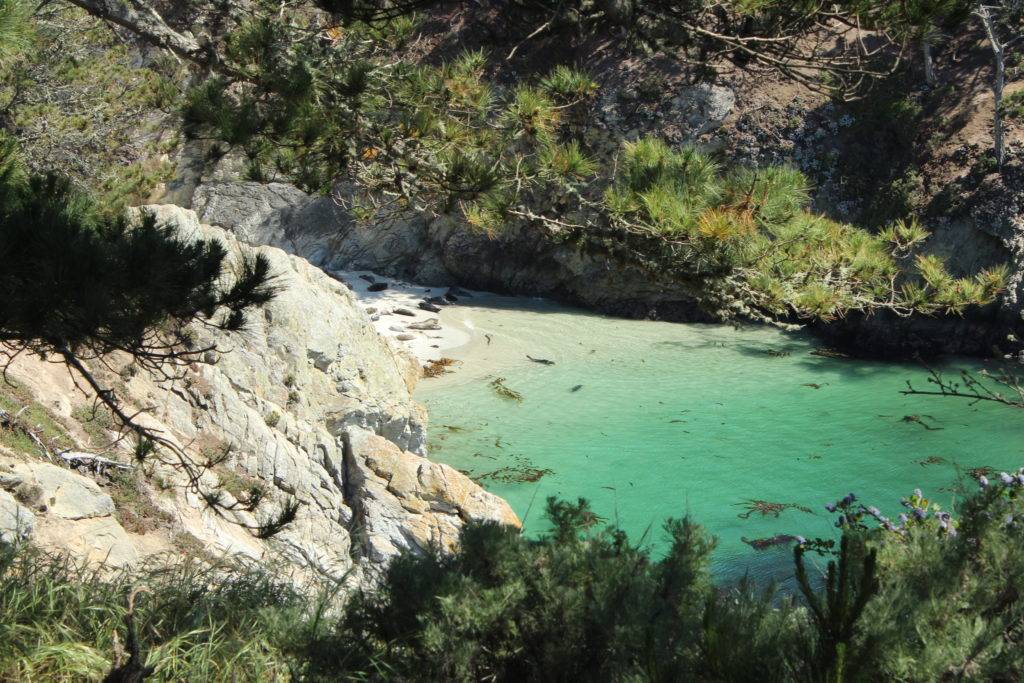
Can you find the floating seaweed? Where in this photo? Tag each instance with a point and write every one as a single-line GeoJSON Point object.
{"type": "Point", "coordinates": [978, 472]}
{"type": "Point", "coordinates": [765, 543]}
{"type": "Point", "coordinates": [498, 384]}
{"type": "Point", "coordinates": [920, 419]}
{"type": "Point", "coordinates": [516, 474]}
{"type": "Point", "coordinates": [775, 353]}
{"type": "Point", "coordinates": [826, 352]}
{"type": "Point", "coordinates": [931, 460]}
{"type": "Point", "coordinates": [436, 368]}
{"type": "Point", "coordinates": [769, 508]}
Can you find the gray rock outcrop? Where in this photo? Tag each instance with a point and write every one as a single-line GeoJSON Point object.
{"type": "Point", "coordinates": [62, 492]}
{"type": "Point", "coordinates": [406, 502]}
{"type": "Point", "coordinates": [284, 397]}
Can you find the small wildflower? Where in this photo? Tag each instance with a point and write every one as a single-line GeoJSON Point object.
{"type": "Point", "coordinates": [800, 540]}
{"type": "Point", "coordinates": [1005, 478]}
{"type": "Point", "coordinates": [920, 514]}
{"type": "Point", "coordinates": [831, 507]}
{"type": "Point", "coordinates": [983, 481]}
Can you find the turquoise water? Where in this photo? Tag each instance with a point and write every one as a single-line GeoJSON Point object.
{"type": "Point", "coordinates": [669, 419]}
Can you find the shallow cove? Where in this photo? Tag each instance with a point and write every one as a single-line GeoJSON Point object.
{"type": "Point", "coordinates": [652, 420]}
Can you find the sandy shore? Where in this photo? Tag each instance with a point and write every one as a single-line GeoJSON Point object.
{"type": "Point", "coordinates": [445, 329]}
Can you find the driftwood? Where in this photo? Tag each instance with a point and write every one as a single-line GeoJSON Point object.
{"type": "Point", "coordinates": [93, 463]}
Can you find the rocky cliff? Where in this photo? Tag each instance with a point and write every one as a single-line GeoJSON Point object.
{"type": "Point", "coordinates": [309, 402]}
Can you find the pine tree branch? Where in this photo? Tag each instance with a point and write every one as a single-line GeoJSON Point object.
{"type": "Point", "coordinates": [145, 22]}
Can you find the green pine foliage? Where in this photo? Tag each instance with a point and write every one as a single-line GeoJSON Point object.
{"type": "Point", "coordinates": [755, 226]}
{"type": "Point", "coordinates": [82, 281]}
{"type": "Point", "coordinates": [444, 140]}
{"type": "Point", "coordinates": [15, 28]}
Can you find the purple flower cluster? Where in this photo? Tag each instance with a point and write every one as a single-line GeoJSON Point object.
{"type": "Point", "coordinates": [919, 510]}
{"type": "Point", "coordinates": [1006, 478]}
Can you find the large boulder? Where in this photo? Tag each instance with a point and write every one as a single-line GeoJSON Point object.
{"type": "Point", "coordinates": [64, 493]}
{"type": "Point", "coordinates": [703, 107]}
{"type": "Point", "coordinates": [405, 502]}
{"type": "Point", "coordinates": [255, 212]}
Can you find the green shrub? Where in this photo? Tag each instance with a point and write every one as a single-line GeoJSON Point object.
{"type": "Point", "coordinates": [931, 596]}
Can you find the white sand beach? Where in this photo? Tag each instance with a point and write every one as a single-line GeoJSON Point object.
{"type": "Point", "coordinates": [396, 313]}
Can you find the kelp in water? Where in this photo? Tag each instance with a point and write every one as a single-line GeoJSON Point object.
{"type": "Point", "coordinates": [521, 471]}
{"type": "Point", "coordinates": [514, 474]}
{"type": "Point", "coordinates": [436, 368]}
{"type": "Point", "coordinates": [498, 384]}
{"type": "Point", "coordinates": [769, 508]}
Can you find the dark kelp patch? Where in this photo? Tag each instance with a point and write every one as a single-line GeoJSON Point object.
{"type": "Point", "coordinates": [498, 384]}
{"type": "Point", "coordinates": [769, 508]}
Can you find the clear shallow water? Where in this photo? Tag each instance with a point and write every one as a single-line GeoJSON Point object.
{"type": "Point", "coordinates": [676, 419]}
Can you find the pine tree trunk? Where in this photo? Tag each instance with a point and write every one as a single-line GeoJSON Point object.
{"type": "Point", "coordinates": [929, 64]}
{"type": "Point", "coordinates": [998, 82]}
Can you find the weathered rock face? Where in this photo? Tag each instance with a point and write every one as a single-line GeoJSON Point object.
{"type": "Point", "coordinates": [403, 501]}
{"type": "Point", "coordinates": [286, 396]}
{"type": "Point", "coordinates": [61, 492]}
{"type": "Point", "coordinates": [528, 260]}
{"type": "Point", "coordinates": [63, 510]}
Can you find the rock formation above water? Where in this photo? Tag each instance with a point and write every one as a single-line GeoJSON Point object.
{"type": "Point", "coordinates": [315, 407]}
